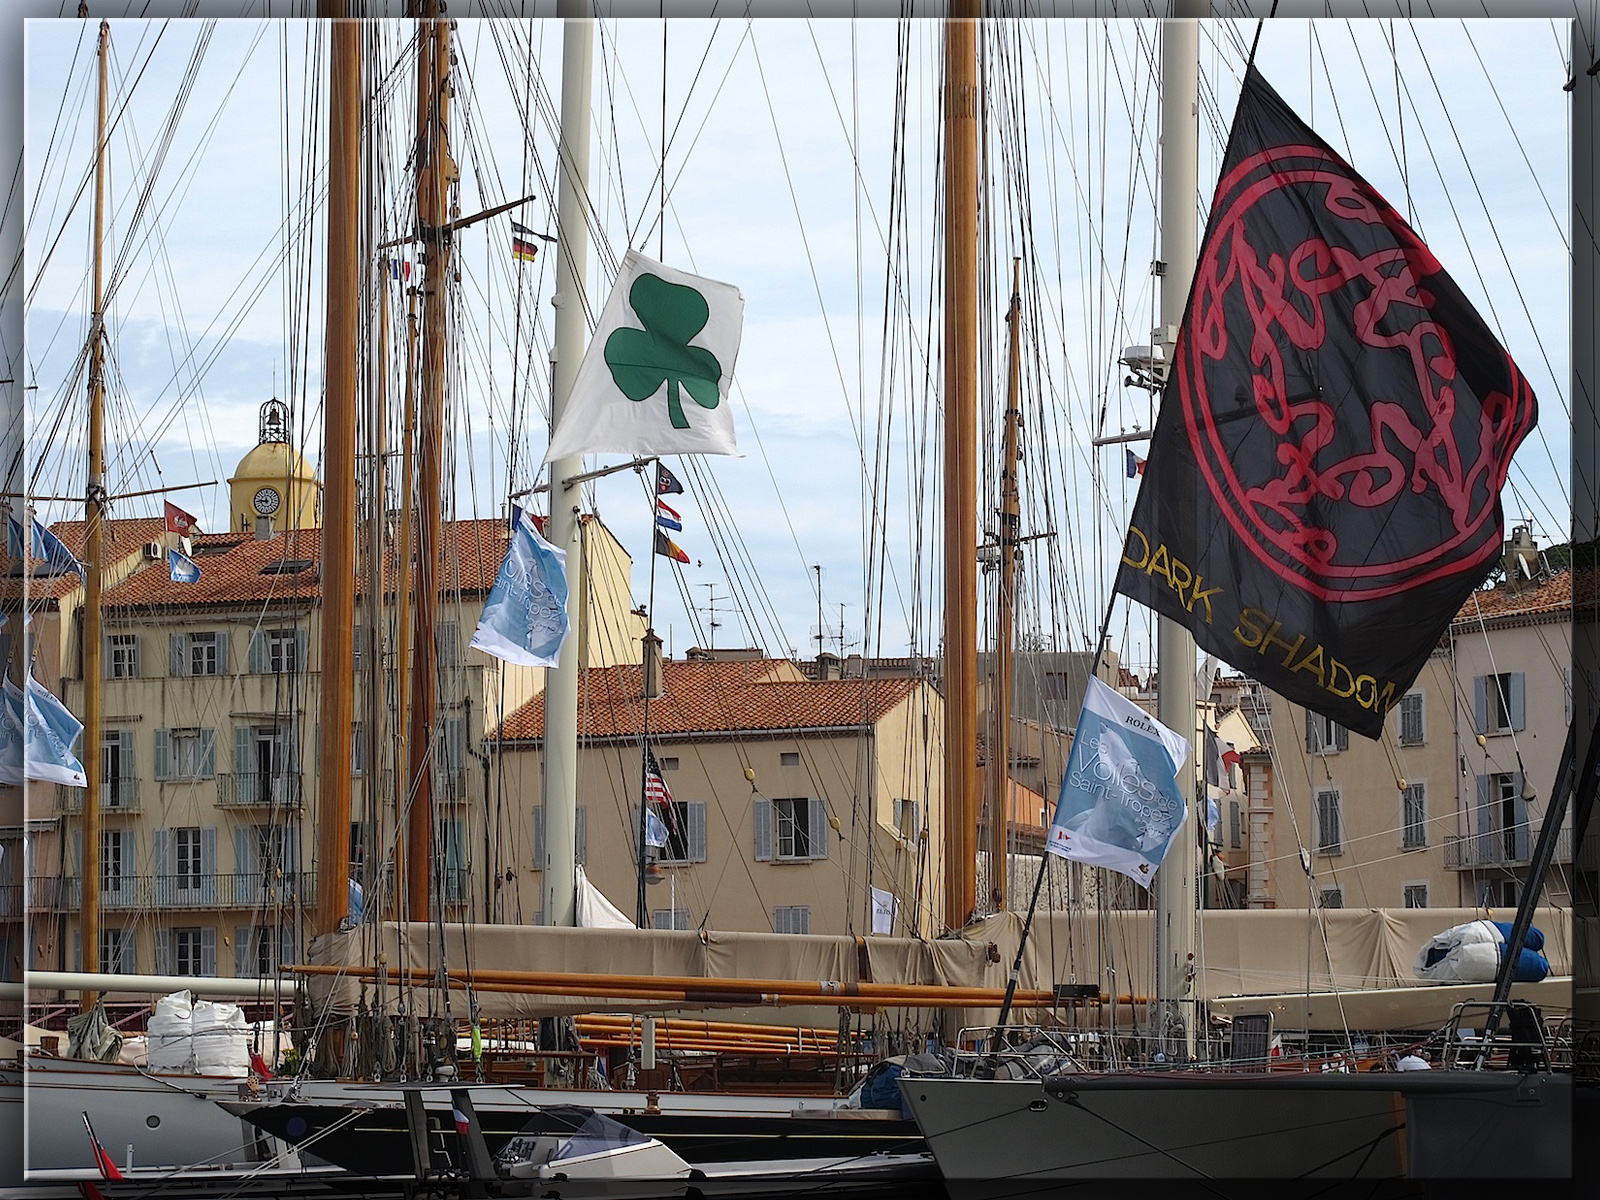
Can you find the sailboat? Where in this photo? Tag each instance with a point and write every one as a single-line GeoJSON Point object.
{"type": "Point", "coordinates": [1178, 1119]}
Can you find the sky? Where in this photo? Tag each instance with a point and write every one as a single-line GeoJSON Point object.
{"type": "Point", "coordinates": [779, 167]}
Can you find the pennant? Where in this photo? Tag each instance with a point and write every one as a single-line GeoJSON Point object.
{"type": "Point", "coordinates": [179, 522]}
{"type": "Point", "coordinates": [525, 617]}
{"type": "Point", "coordinates": [182, 568]}
{"type": "Point", "coordinates": [666, 482]}
{"type": "Point", "coordinates": [1135, 464]}
{"type": "Point", "coordinates": [670, 548]}
{"type": "Point", "coordinates": [1323, 491]}
{"type": "Point", "coordinates": [655, 790]}
{"type": "Point", "coordinates": [102, 1160]}
{"type": "Point", "coordinates": [667, 517]}
{"type": "Point", "coordinates": [1119, 806]}
{"type": "Point", "coordinates": [656, 375]}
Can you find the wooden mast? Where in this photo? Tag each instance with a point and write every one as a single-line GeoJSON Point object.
{"type": "Point", "coordinates": [436, 171]}
{"type": "Point", "coordinates": [1009, 539]}
{"type": "Point", "coordinates": [336, 700]}
{"type": "Point", "coordinates": [961, 792]}
{"type": "Point", "coordinates": [94, 512]}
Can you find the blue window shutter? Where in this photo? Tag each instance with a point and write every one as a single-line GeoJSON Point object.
{"type": "Point", "coordinates": [819, 828]}
{"type": "Point", "coordinates": [537, 838]}
{"type": "Point", "coordinates": [763, 829]}
{"type": "Point", "coordinates": [697, 831]}
{"type": "Point", "coordinates": [130, 946]}
{"type": "Point", "coordinates": [258, 653]}
{"type": "Point", "coordinates": [582, 831]}
{"type": "Point", "coordinates": [224, 667]}
{"type": "Point", "coordinates": [244, 945]}
{"type": "Point", "coordinates": [1311, 732]}
{"type": "Point", "coordinates": [163, 952]}
{"type": "Point", "coordinates": [161, 771]}
{"type": "Point", "coordinates": [243, 760]}
{"type": "Point", "coordinates": [177, 654]}
{"type": "Point", "coordinates": [138, 656]}
{"type": "Point", "coordinates": [1480, 703]}
{"type": "Point", "coordinates": [1517, 700]}
{"type": "Point", "coordinates": [300, 663]}
{"type": "Point", "coordinates": [208, 951]}
{"type": "Point", "coordinates": [1341, 738]}
{"type": "Point", "coordinates": [208, 864]}
{"type": "Point", "coordinates": [1485, 825]}
{"type": "Point", "coordinates": [1519, 807]}
{"type": "Point", "coordinates": [208, 754]}
{"type": "Point", "coordinates": [125, 748]}
{"type": "Point", "coordinates": [161, 865]}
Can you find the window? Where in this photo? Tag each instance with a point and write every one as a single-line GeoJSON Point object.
{"type": "Point", "coordinates": [122, 661]}
{"type": "Point", "coordinates": [789, 758]}
{"type": "Point", "coordinates": [203, 658]}
{"type": "Point", "coordinates": [186, 844]}
{"type": "Point", "coordinates": [1235, 833]}
{"type": "Point", "coordinates": [186, 754]}
{"type": "Point", "coordinates": [905, 819]}
{"type": "Point", "coordinates": [112, 864]}
{"type": "Point", "coordinates": [184, 748]}
{"type": "Point", "coordinates": [116, 951]}
{"type": "Point", "coordinates": [1331, 898]}
{"type": "Point", "coordinates": [791, 830]}
{"type": "Point", "coordinates": [791, 919]}
{"type": "Point", "coordinates": [117, 778]}
{"type": "Point", "coordinates": [1411, 731]}
{"type": "Point", "coordinates": [1498, 702]}
{"type": "Point", "coordinates": [667, 764]}
{"type": "Point", "coordinates": [1329, 832]}
{"type": "Point", "coordinates": [265, 764]}
{"type": "Point", "coordinates": [189, 952]}
{"type": "Point", "coordinates": [283, 651]}
{"type": "Point", "coordinates": [448, 639]}
{"type": "Point", "coordinates": [669, 918]}
{"type": "Point", "coordinates": [454, 836]}
{"type": "Point", "coordinates": [1414, 816]}
{"type": "Point", "coordinates": [1325, 735]}
{"type": "Point", "coordinates": [358, 748]}
{"type": "Point", "coordinates": [686, 831]}
{"type": "Point", "coordinates": [1415, 895]}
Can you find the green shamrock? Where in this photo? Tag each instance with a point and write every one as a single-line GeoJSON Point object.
{"type": "Point", "coordinates": [641, 360]}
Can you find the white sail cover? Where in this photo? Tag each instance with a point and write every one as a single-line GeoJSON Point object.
{"type": "Point", "coordinates": [595, 911]}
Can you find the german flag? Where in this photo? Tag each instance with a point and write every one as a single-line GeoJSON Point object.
{"type": "Point", "coordinates": [523, 247]}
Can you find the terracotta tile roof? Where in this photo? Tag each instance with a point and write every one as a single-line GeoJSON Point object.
{"type": "Point", "coordinates": [1546, 596]}
{"type": "Point", "coordinates": [121, 538]}
{"type": "Point", "coordinates": [715, 697]}
{"type": "Point", "coordinates": [236, 568]}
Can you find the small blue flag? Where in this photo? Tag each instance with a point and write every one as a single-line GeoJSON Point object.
{"type": "Point", "coordinates": [13, 537]}
{"type": "Point", "coordinates": [182, 568]}
{"type": "Point", "coordinates": [655, 833]}
{"type": "Point", "coordinates": [49, 734]}
{"type": "Point", "coordinates": [356, 904]}
{"type": "Point", "coordinates": [46, 547]}
{"type": "Point", "coordinates": [11, 735]}
{"type": "Point", "coordinates": [525, 617]}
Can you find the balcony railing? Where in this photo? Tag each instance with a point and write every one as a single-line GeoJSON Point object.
{"type": "Point", "coordinates": [10, 900]}
{"type": "Point", "coordinates": [116, 795]}
{"type": "Point", "coordinates": [175, 892]}
{"type": "Point", "coordinates": [256, 790]}
{"type": "Point", "coordinates": [1502, 848]}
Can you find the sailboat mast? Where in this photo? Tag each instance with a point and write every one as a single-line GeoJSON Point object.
{"type": "Point", "coordinates": [93, 554]}
{"type": "Point", "coordinates": [961, 793]}
{"type": "Point", "coordinates": [560, 867]}
{"type": "Point", "coordinates": [1175, 650]}
{"type": "Point", "coordinates": [1009, 533]}
{"type": "Point", "coordinates": [435, 173]}
{"type": "Point", "coordinates": [336, 700]}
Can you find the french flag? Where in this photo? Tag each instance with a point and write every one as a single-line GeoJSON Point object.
{"type": "Point", "coordinates": [463, 1126]}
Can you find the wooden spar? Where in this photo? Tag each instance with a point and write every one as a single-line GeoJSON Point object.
{"type": "Point", "coordinates": [691, 989]}
{"type": "Point", "coordinates": [93, 552]}
{"type": "Point", "coordinates": [336, 699]}
{"type": "Point", "coordinates": [1010, 532]}
{"type": "Point", "coordinates": [402, 593]}
{"type": "Point", "coordinates": [436, 170]}
{"type": "Point", "coordinates": [961, 795]}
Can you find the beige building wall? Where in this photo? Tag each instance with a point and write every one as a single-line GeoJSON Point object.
{"type": "Point", "coordinates": [875, 786]}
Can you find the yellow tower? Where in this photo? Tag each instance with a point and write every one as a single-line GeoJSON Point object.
{"type": "Point", "coordinates": [273, 483]}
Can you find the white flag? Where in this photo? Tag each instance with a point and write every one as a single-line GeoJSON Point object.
{"type": "Point", "coordinates": [655, 377]}
{"type": "Point", "coordinates": [883, 907]}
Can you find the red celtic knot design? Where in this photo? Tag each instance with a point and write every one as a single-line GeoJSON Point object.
{"type": "Point", "coordinates": [1347, 437]}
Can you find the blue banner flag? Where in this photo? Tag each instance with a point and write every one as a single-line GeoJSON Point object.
{"type": "Point", "coordinates": [49, 733]}
{"type": "Point", "coordinates": [182, 568]}
{"type": "Point", "coordinates": [48, 547]}
{"type": "Point", "coordinates": [13, 537]}
{"type": "Point", "coordinates": [525, 618]}
{"type": "Point", "coordinates": [655, 833]}
{"type": "Point", "coordinates": [11, 735]}
{"type": "Point", "coordinates": [1120, 805]}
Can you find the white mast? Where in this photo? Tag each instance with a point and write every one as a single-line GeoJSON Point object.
{"type": "Point", "coordinates": [560, 866]}
{"type": "Point", "coordinates": [1175, 652]}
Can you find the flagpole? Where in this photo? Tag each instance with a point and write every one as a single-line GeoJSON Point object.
{"type": "Point", "coordinates": [647, 685]}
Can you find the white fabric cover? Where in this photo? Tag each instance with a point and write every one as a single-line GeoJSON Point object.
{"type": "Point", "coordinates": [1470, 954]}
{"type": "Point", "coordinates": [221, 1039]}
{"type": "Point", "coordinates": [171, 1034]}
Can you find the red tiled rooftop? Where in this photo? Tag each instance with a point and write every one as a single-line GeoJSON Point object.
{"type": "Point", "coordinates": [714, 697]}
{"type": "Point", "coordinates": [1540, 597]}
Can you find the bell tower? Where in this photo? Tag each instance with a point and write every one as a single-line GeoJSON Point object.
{"type": "Point", "coordinates": [273, 488]}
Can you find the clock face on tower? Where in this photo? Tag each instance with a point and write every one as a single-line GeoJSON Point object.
{"type": "Point", "coordinates": [266, 501]}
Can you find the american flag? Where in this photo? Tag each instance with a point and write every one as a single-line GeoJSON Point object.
{"type": "Point", "coordinates": [655, 789]}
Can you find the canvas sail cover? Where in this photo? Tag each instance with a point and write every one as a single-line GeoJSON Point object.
{"type": "Point", "coordinates": [1323, 487]}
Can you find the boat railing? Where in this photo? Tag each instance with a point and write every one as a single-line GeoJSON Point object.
{"type": "Point", "coordinates": [1520, 1043]}
{"type": "Point", "coordinates": [1018, 1052]}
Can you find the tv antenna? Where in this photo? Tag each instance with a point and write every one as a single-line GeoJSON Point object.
{"type": "Point", "coordinates": [711, 610]}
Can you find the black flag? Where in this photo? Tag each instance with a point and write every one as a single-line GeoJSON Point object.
{"type": "Point", "coordinates": [1323, 487]}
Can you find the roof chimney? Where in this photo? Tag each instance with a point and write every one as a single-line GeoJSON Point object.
{"type": "Point", "coordinates": [828, 666]}
{"type": "Point", "coordinates": [263, 529]}
{"type": "Point", "coordinates": [653, 667]}
{"type": "Point", "coordinates": [1521, 557]}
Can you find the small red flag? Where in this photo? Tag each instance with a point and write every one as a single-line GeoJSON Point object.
{"type": "Point", "coordinates": [180, 522]}
{"type": "Point", "coordinates": [108, 1169]}
{"type": "Point", "coordinates": [259, 1065]}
